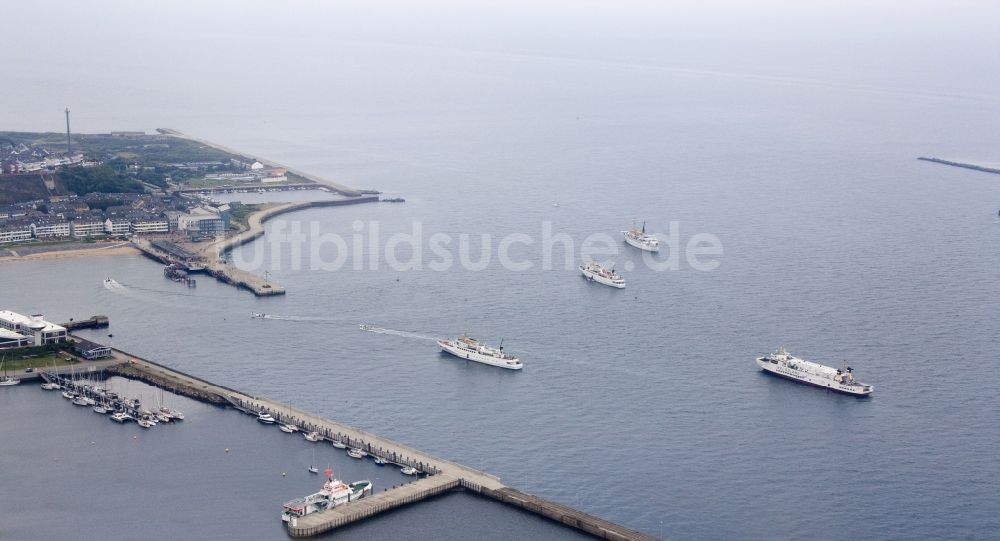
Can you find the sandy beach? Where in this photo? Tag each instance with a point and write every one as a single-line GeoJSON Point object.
{"type": "Point", "coordinates": [30, 253]}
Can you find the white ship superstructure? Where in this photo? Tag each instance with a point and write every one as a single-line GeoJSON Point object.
{"type": "Point", "coordinates": [640, 239]}
{"type": "Point", "coordinates": [597, 273]}
{"type": "Point", "coordinates": [788, 366]}
{"type": "Point", "coordinates": [469, 348]}
{"type": "Point", "coordinates": [334, 492]}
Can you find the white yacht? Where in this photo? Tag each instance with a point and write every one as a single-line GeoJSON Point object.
{"type": "Point", "coordinates": [788, 366]}
{"type": "Point", "coordinates": [6, 380]}
{"type": "Point", "coordinates": [266, 418]}
{"type": "Point", "coordinates": [466, 347]}
{"type": "Point", "coordinates": [338, 444]}
{"type": "Point", "coordinates": [290, 429]}
{"type": "Point", "coordinates": [121, 417]}
{"type": "Point", "coordinates": [641, 240]}
{"type": "Point", "coordinates": [597, 273]}
{"type": "Point", "coordinates": [409, 470]}
{"type": "Point", "coordinates": [356, 453]}
{"type": "Point", "coordinates": [312, 436]}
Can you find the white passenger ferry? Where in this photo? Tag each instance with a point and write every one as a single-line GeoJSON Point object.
{"type": "Point", "coordinates": [640, 239]}
{"type": "Point", "coordinates": [788, 366]}
{"type": "Point", "coordinates": [469, 348]}
{"type": "Point", "coordinates": [597, 273]}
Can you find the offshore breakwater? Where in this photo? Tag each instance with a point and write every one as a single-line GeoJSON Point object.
{"type": "Point", "coordinates": [441, 475]}
{"type": "Point", "coordinates": [963, 165]}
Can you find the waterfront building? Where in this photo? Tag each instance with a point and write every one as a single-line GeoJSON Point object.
{"type": "Point", "coordinates": [11, 339]}
{"type": "Point", "coordinates": [42, 229]}
{"type": "Point", "coordinates": [204, 221]}
{"type": "Point", "coordinates": [117, 226]}
{"type": "Point", "coordinates": [14, 232]}
{"type": "Point", "coordinates": [42, 332]}
{"type": "Point", "coordinates": [91, 350]}
{"type": "Point", "coordinates": [151, 225]}
{"type": "Point", "coordinates": [88, 227]}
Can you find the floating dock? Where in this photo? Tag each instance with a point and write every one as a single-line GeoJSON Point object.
{"type": "Point", "coordinates": [441, 475]}
{"type": "Point", "coordinates": [95, 322]}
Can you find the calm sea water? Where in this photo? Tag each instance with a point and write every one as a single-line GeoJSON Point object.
{"type": "Point", "coordinates": [643, 406]}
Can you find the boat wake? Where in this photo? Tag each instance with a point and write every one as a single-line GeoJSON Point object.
{"type": "Point", "coordinates": [256, 315]}
{"type": "Point", "coordinates": [395, 332]}
{"type": "Point", "coordinates": [112, 285]}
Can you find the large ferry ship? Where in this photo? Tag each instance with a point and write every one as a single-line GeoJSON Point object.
{"type": "Point", "coordinates": [789, 366]}
{"type": "Point", "coordinates": [597, 273]}
{"type": "Point", "coordinates": [469, 348]}
{"type": "Point", "coordinates": [641, 240]}
{"type": "Point", "coordinates": [335, 492]}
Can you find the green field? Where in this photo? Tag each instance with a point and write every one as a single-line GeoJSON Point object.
{"type": "Point", "coordinates": [15, 364]}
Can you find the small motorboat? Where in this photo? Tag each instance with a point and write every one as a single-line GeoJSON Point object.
{"type": "Point", "coordinates": [100, 409]}
{"type": "Point", "coordinates": [163, 418]}
{"type": "Point", "coordinates": [265, 418]}
{"type": "Point", "coordinates": [146, 423]}
{"type": "Point", "coordinates": [339, 445]}
{"type": "Point", "coordinates": [313, 469]}
{"type": "Point", "coordinates": [409, 470]}
{"type": "Point", "coordinates": [51, 386]}
{"type": "Point", "coordinates": [80, 401]}
{"type": "Point", "coordinates": [312, 436]}
{"type": "Point", "coordinates": [290, 429]}
{"type": "Point", "coordinates": [69, 395]}
{"type": "Point", "coordinates": [257, 315]}
{"type": "Point", "coordinates": [356, 453]}
{"type": "Point", "coordinates": [379, 460]}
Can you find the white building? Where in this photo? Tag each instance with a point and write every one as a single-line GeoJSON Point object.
{"type": "Point", "coordinates": [50, 229]}
{"type": "Point", "coordinates": [256, 166]}
{"type": "Point", "coordinates": [88, 228]}
{"type": "Point", "coordinates": [151, 225]}
{"type": "Point", "coordinates": [11, 339]}
{"type": "Point", "coordinates": [117, 226]}
{"type": "Point", "coordinates": [15, 233]}
{"type": "Point", "coordinates": [42, 332]}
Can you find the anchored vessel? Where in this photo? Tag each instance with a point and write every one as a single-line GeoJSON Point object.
{"type": "Point", "coordinates": [334, 492]}
{"type": "Point", "coordinates": [641, 240]}
{"type": "Point", "coordinates": [786, 365]}
{"type": "Point", "coordinates": [597, 273]}
{"type": "Point", "coordinates": [469, 348]}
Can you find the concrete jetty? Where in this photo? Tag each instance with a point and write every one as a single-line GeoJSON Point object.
{"type": "Point", "coordinates": [343, 515]}
{"type": "Point", "coordinates": [442, 475]}
{"type": "Point", "coordinates": [209, 258]}
{"type": "Point", "coordinates": [972, 166]}
{"type": "Point", "coordinates": [346, 190]}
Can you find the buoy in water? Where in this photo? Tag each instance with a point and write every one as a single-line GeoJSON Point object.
{"type": "Point", "coordinates": [227, 449]}
{"type": "Point", "coordinates": [283, 474]}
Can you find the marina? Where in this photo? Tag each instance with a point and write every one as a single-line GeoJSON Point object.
{"type": "Point", "coordinates": [434, 474]}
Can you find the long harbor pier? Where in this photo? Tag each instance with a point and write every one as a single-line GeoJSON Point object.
{"type": "Point", "coordinates": [209, 258]}
{"type": "Point", "coordinates": [436, 475]}
{"type": "Point", "coordinates": [974, 167]}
